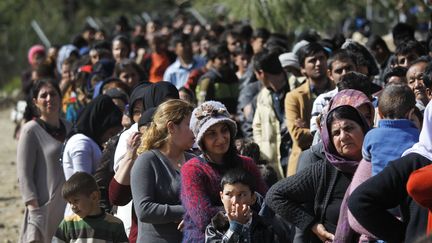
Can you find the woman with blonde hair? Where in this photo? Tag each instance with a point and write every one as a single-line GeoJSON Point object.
{"type": "Point", "coordinates": [155, 175]}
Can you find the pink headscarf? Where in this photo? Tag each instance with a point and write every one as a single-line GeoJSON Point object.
{"type": "Point", "coordinates": [33, 51]}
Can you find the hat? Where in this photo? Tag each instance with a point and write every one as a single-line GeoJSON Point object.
{"type": "Point", "coordinates": [208, 114]}
{"type": "Point", "coordinates": [289, 59]}
{"type": "Point", "coordinates": [116, 93]}
{"type": "Point", "coordinates": [299, 45]}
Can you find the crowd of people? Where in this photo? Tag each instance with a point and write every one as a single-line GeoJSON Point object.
{"type": "Point", "coordinates": [225, 133]}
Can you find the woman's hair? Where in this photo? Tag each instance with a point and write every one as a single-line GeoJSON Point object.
{"type": "Point", "coordinates": [156, 134]}
{"type": "Point", "coordinates": [349, 113]}
{"type": "Point", "coordinates": [31, 110]}
{"type": "Point", "coordinates": [126, 65]}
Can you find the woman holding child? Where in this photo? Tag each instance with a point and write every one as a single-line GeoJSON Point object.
{"type": "Point", "coordinates": [40, 174]}
{"type": "Point", "coordinates": [155, 175]}
{"type": "Point", "coordinates": [201, 176]}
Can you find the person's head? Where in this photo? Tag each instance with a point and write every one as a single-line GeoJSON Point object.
{"type": "Point", "coordinates": [247, 147]}
{"type": "Point", "coordinates": [156, 93]}
{"type": "Point", "coordinates": [266, 67]}
{"type": "Point", "coordinates": [340, 63]}
{"type": "Point", "coordinates": [120, 47]}
{"type": "Point", "coordinates": [402, 32]}
{"type": "Point", "coordinates": [242, 56]}
{"type": "Point", "coordinates": [238, 187]}
{"type": "Point", "coordinates": [187, 95]}
{"type": "Point", "coordinates": [357, 81]}
{"type": "Point", "coordinates": [407, 52]}
{"type": "Point", "coordinates": [396, 75]}
{"type": "Point", "coordinates": [129, 72]}
{"type": "Point", "coordinates": [397, 101]}
{"type": "Point", "coordinates": [219, 56]}
{"type": "Point", "coordinates": [146, 119]}
{"type": "Point", "coordinates": [100, 120]}
{"type": "Point", "coordinates": [65, 52]}
{"type": "Point", "coordinates": [213, 128]}
{"type": "Point", "coordinates": [343, 134]}
{"type": "Point", "coordinates": [45, 98]}
{"type": "Point", "coordinates": [88, 33]}
{"type": "Point", "coordinates": [415, 78]}
{"type": "Point", "coordinates": [268, 173]}
{"type": "Point", "coordinates": [259, 38]}
{"type": "Point", "coordinates": [118, 96]}
{"type": "Point", "coordinates": [158, 43]}
{"type": "Point", "coordinates": [136, 104]}
{"type": "Point", "coordinates": [67, 70]}
{"type": "Point", "coordinates": [378, 48]}
{"type": "Point", "coordinates": [82, 193]}
{"type": "Point", "coordinates": [232, 39]}
{"type": "Point", "coordinates": [36, 55]}
{"type": "Point", "coordinates": [290, 63]}
{"type": "Point", "coordinates": [313, 61]}
{"type": "Point", "coordinates": [182, 46]}
{"type": "Point", "coordinates": [169, 127]}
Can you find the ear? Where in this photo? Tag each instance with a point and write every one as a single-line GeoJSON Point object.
{"type": "Point", "coordinates": [258, 74]}
{"type": "Point", "coordinates": [221, 195]}
{"type": "Point", "coordinates": [95, 196]}
{"type": "Point", "coordinates": [380, 114]}
{"type": "Point", "coordinates": [253, 198]}
{"type": "Point", "coordinates": [170, 127]}
{"type": "Point", "coordinates": [329, 75]}
{"type": "Point", "coordinates": [303, 71]}
{"type": "Point", "coordinates": [410, 115]}
{"type": "Point", "coordinates": [429, 93]}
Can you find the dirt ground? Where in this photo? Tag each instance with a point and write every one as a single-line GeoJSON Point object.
{"type": "Point", "coordinates": [11, 207]}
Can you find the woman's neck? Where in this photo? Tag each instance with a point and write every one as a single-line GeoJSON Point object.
{"type": "Point", "coordinates": [174, 154]}
{"type": "Point", "coordinates": [52, 120]}
{"type": "Point", "coordinates": [216, 158]}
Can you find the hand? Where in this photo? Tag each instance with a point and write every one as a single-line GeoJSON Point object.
{"type": "Point", "coordinates": [180, 226]}
{"type": "Point", "coordinates": [300, 123]}
{"type": "Point", "coordinates": [240, 213]}
{"type": "Point", "coordinates": [133, 142]}
{"type": "Point", "coordinates": [322, 233]}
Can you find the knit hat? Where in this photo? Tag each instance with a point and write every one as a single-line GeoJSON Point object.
{"type": "Point", "coordinates": [208, 114]}
{"type": "Point", "coordinates": [33, 51]}
{"type": "Point", "coordinates": [289, 59]}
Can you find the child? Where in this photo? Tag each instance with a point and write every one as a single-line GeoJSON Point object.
{"type": "Point", "coordinates": [238, 223]}
{"type": "Point", "coordinates": [89, 222]}
{"type": "Point", "coordinates": [395, 132]}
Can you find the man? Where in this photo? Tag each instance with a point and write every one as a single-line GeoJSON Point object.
{"type": "Point", "coordinates": [298, 103]}
{"type": "Point", "coordinates": [407, 52]}
{"type": "Point", "coordinates": [178, 72]}
{"type": "Point", "coordinates": [417, 82]}
{"type": "Point", "coordinates": [269, 127]}
{"type": "Point", "coordinates": [338, 65]}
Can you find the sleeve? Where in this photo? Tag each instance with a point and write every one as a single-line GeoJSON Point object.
{"type": "Point", "coordinates": [81, 156]}
{"type": "Point", "coordinates": [143, 185]}
{"type": "Point", "coordinates": [121, 149]}
{"type": "Point", "coordinates": [167, 75]}
{"type": "Point", "coordinates": [369, 203]}
{"type": "Point", "coordinates": [119, 195]}
{"type": "Point", "coordinates": [26, 163]}
{"type": "Point", "coordinates": [303, 136]}
{"type": "Point", "coordinates": [287, 196]}
{"type": "Point", "coordinates": [232, 235]}
{"type": "Point", "coordinates": [317, 108]}
{"type": "Point", "coordinates": [419, 186]}
{"type": "Point", "coordinates": [195, 196]}
{"type": "Point", "coordinates": [121, 236]}
{"type": "Point", "coordinates": [202, 90]}
{"type": "Point", "coordinates": [366, 148]}
{"type": "Point", "coordinates": [61, 234]}
{"type": "Point", "coordinates": [257, 125]}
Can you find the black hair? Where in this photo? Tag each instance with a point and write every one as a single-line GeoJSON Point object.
{"type": "Point", "coordinates": [309, 50]}
{"type": "Point", "coordinates": [249, 148]}
{"type": "Point", "coordinates": [357, 81]}
{"type": "Point", "coordinates": [244, 49]}
{"type": "Point", "coordinates": [268, 173]}
{"type": "Point", "coordinates": [239, 175]}
{"type": "Point", "coordinates": [261, 33]}
{"type": "Point", "coordinates": [427, 75]}
{"type": "Point", "coordinates": [80, 183]}
{"type": "Point", "coordinates": [218, 50]}
{"type": "Point", "coordinates": [180, 38]}
{"type": "Point", "coordinates": [402, 32]}
{"type": "Point", "coordinates": [124, 40]}
{"type": "Point", "coordinates": [31, 111]}
{"type": "Point", "coordinates": [409, 47]}
{"type": "Point", "coordinates": [397, 71]}
{"type": "Point", "coordinates": [376, 40]}
{"type": "Point", "coordinates": [363, 57]}
{"type": "Point", "coordinates": [126, 64]}
{"type": "Point", "coordinates": [347, 112]}
{"type": "Point", "coordinates": [268, 62]}
{"type": "Point", "coordinates": [396, 101]}
{"type": "Point", "coordinates": [340, 55]}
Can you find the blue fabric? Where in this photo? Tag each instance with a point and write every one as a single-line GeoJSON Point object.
{"type": "Point", "coordinates": [178, 74]}
{"type": "Point", "coordinates": [388, 141]}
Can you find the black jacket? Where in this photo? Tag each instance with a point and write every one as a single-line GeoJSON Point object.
{"type": "Point", "coordinates": [370, 201]}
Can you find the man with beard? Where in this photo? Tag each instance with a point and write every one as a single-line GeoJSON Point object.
{"type": "Point", "coordinates": [220, 82]}
{"type": "Point", "coordinates": [298, 103]}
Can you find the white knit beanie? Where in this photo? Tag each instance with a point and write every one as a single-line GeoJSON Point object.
{"type": "Point", "coordinates": [208, 114]}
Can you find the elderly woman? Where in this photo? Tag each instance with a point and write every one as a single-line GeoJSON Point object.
{"type": "Point", "coordinates": [324, 183]}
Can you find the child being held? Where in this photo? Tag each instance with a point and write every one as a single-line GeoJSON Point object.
{"type": "Point", "coordinates": [238, 223]}
{"type": "Point", "coordinates": [396, 132]}
{"type": "Point", "coordinates": [89, 223]}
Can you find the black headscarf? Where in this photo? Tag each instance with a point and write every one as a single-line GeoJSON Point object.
{"type": "Point", "coordinates": [98, 116]}
{"type": "Point", "coordinates": [159, 92]}
{"type": "Point", "coordinates": [137, 94]}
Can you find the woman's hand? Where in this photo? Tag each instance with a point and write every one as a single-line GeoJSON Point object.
{"type": "Point", "coordinates": [240, 213]}
{"type": "Point", "coordinates": [133, 143]}
{"type": "Point", "coordinates": [322, 233]}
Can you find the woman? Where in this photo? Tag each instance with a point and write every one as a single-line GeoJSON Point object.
{"type": "Point", "coordinates": [155, 175]}
{"type": "Point", "coordinates": [324, 184]}
{"type": "Point", "coordinates": [120, 48]}
{"type": "Point", "coordinates": [40, 175]}
{"type": "Point", "coordinates": [129, 73]}
{"type": "Point", "coordinates": [214, 132]}
{"type": "Point", "coordinates": [99, 121]}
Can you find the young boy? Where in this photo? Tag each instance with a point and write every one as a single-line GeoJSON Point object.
{"type": "Point", "coordinates": [238, 223]}
{"type": "Point", "coordinates": [395, 132]}
{"type": "Point", "coordinates": [89, 223]}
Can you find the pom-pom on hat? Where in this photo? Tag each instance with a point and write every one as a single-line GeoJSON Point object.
{"type": "Point", "coordinates": [208, 114]}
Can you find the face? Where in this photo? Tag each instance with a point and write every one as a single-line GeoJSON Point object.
{"type": "Point", "coordinates": [216, 139]}
{"type": "Point", "coordinates": [415, 80]}
{"type": "Point", "coordinates": [182, 135]}
{"type": "Point", "coordinates": [66, 72]}
{"type": "Point", "coordinates": [315, 66]}
{"type": "Point", "coordinates": [137, 110]}
{"type": "Point", "coordinates": [257, 44]}
{"type": "Point", "coordinates": [340, 68]}
{"type": "Point", "coordinates": [232, 43]}
{"type": "Point", "coordinates": [367, 113]}
{"type": "Point", "coordinates": [184, 50]}
{"type": "Point", "coordinates": [119, 50]}
{"type": "Point", "coordinates": [220, 62]}
{"type": "Point", "coordinates": [129, 77]}
{"type": "Point", "coordinates": [242, 61]}
{"type": "Point", "coordinates": [47, 100]}
{"type": "Point", "coordinates": [83, 205]}
{"type": "Point", "coordinates": [406, 60]}
{"type": "Point", "coordinates": [237, 193]}
{"type": "Point", "coordinates": [94, 56]}
{"type": "Point", "coordinates": [347, 137]}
